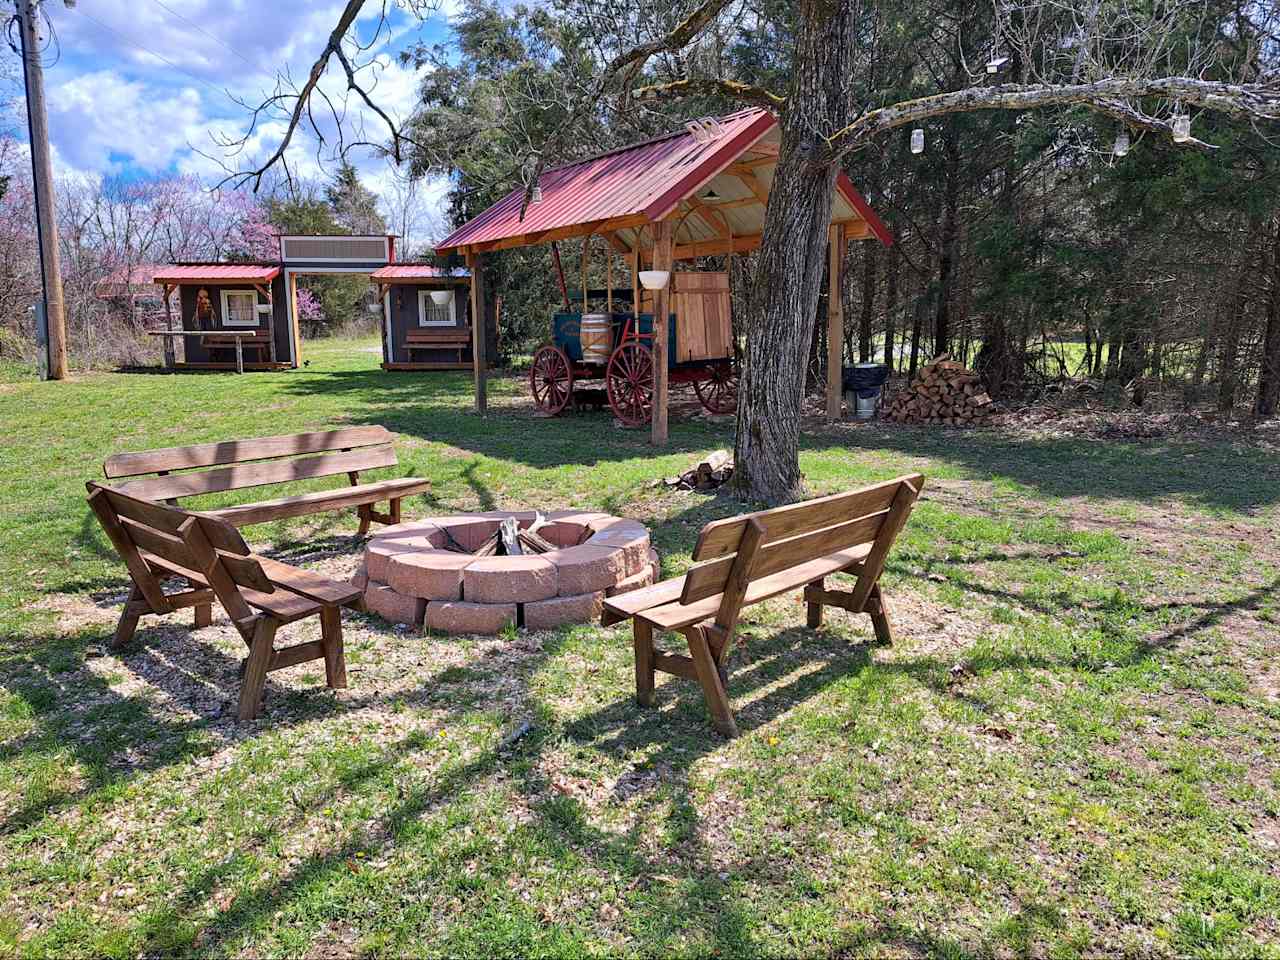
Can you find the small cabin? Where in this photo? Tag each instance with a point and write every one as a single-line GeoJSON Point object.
{"type": "Point", "coordinates": [427, 322]}
{"type": "Point", "coordinates": [221, 303]}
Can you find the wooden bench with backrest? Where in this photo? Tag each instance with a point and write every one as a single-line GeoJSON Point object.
{"type": "Point", "coordinates": [260, 595]}
{"type": "Point", "coordinates": [242, 464]}
{"type": "Point", "coordinates": [458, 338]}
{"type": "Point", "coordinates": [748, 559]}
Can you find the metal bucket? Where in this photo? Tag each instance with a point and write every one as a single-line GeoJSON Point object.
{"type": "Point", "coordinates": [866, 406]}
{"type": "Point", "coordinates": [596, 336]}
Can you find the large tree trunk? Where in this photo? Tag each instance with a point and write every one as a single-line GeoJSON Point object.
{"type": "Point", "coordinates": [793, 256]}
{"type": "Point", "coordinates": [950, 233]}
{"type": "Point", "coordinates": [1269, 375]}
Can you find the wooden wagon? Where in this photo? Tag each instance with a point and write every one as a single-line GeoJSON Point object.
{"type": "Point", "coordinates": [700, 354]}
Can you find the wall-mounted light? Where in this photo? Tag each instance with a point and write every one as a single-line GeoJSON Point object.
{"type": "Point", "coordinates": [917, 140]}
{"type": "Point", "coordinates": [1122, 144]}
{"type": "Point", "coordinates": [996, 64]}
{"type": "Point", "coordinates": [536, 195]}
{"type": "Point", "coordinates": [654, 279]}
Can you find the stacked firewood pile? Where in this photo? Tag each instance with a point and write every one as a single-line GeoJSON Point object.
{"type": "Point", "coordinates": [943, 392]}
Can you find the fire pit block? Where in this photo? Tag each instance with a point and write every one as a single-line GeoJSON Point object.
{"type": "Point", "coordinates": [427, 571]}
{"type": "Point", "coordinates": [430, 574]}
{"type": "Point", "coordinates": [588, 568]}
{"type": "Point", "coordinates": [502, 579]}
{"type": "Point", "coordinates": [458, 616]}
{"type": "Point", "coordinates": [390, 605]}
{"type": "Point", "coordinates": [556, 612]}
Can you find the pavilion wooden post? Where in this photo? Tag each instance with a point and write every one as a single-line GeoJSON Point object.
{"type": "Point", "coordinates": [475, 262]}
{"type": "Point", "coordinates": [170, 357]}
{"type": "Point", "coordinates": [835, 321]}
{"type": "Point", "coordinates": [663, 237]}
{"type": "Point", "coordinates": [296, 347]}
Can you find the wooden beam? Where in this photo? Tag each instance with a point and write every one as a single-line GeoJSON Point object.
{"type": "Point", "coordinates": [714, 248]}
{"type": "Point", "coordinates": [716, 223]}
{"type": "Point", "coordinates": [835, 319]}
{"type": "Point", "coordinates": [170, 355]}
{"type": "Point", "coordinates": [296, 347]}
{"type": "Point", "coordinates": [663, 232]}
{"type": "Point", "coordinates": [479, 331]}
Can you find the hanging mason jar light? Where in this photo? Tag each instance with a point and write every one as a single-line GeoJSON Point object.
{"type": "Point", "coordinates": [917, 140]}
{"type": "Point", "coordinates": [1122, 143]}
{"type": "Point", "coordinates": [1181, 126]}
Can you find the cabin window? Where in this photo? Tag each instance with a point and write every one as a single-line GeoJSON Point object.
{"type": "Point", "coordinates": [239, 308]}
{"type": "Point", "coordinates": [431, 314]}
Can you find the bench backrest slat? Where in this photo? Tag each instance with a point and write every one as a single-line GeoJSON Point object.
{"type": "Point", "coordinates": [720, 538]}
{"type": "Point", "coordinates": [242, 451]}
{"type": "Point", "coordinates": [795, 534]}
{"type": "Point", "coordinates": [179, 539]}
{"type": "Point", "coordinates": [259, 474]}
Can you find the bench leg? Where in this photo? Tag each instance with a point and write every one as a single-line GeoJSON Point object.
{"type": "Point", "coordinates": [203, 615]}
{"type": "Point", "coordinates": [709, 678]}
{"type": "Point", "coordinates": [815, 609]}
{"type": "Point", "coordinates": [642, 634]}
{"type": "Point", "coordinates": [335, 663]}
{"type": "Point", "coordinates": [395, 510]}
{"type": "Point", "coordinates": [879, 612]}
{"type": "Point", "coordinates": [255, 673]}
{"type": "Point", "coordinates": [134, 608]}
{"type": "Point", "coordinates": [366, 517]}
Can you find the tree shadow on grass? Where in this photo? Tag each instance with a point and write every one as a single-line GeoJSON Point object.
{"type": "Point", "coordinates": [1218, 476]}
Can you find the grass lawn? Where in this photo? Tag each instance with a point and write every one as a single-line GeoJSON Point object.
{"type": "Point", "coordinates": [1073, 748]}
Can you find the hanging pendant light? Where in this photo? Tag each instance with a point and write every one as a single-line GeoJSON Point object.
{"type": "Point", "coordinates": [996, 63]}
{"type": "Point", "coordinates": [917, 140]}
{"type": "Point", "coordinates": [1122, 143]}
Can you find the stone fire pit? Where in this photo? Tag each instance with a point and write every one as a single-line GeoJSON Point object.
{"type": "Point", "coordinates": [426, 573]}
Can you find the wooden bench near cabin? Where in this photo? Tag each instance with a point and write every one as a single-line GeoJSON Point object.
{"type": "Point", "coordinates": [260, 595]}
{"type": "Point", "coordinates": [748, 559]}
{"type": "Point", "coordinates": [449, 338]}
{"type": "Point", "coordinates": [261, 461]}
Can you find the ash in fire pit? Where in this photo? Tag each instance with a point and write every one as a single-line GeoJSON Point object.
{"type": "Point", "coordinates": [478, 573]}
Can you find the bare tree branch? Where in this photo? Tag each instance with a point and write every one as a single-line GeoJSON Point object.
{"type": "Point", "coordinates": [731, 89]}
{"type": "Point", "coordinates": [1243, 101]}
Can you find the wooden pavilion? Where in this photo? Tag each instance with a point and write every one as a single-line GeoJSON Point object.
{"type": "Point", "coordinates": [701, 191]}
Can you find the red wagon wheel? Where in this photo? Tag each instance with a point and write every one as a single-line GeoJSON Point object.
{"type": "Point", "coordinates": [719, 392]}
{"type": "Point", "coordinates": [551, 379]}
{"type": "Point", "coordinates": [629, 379]}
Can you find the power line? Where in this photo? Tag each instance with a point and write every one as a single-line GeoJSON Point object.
{"type": "Point", "coordinates": [134, 43]}
{"type": "Point", "coordinates": [215, 39]}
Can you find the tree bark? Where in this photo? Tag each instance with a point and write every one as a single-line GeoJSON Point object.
{"type": "Point", "coordinates": [793, 256]}
{"type": "Point", "coordinates": [950, 233]}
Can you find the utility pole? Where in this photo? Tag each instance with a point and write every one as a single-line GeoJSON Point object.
{"type": "Point", "coordinates": [42, 172]}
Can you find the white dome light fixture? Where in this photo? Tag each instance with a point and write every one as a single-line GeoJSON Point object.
{"type": "Point", "coordinates": [654, 279]}
{"type": "Point", "coordinates": [441, 297]}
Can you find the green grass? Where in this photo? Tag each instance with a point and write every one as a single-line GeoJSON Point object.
{"type": "Point", "coordinates": [1072, 748]}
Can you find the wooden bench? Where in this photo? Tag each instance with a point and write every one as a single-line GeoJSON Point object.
{"type": "Point", "coordinates": [259, 594]}
{"type": "Point", "coordinates": [240, 464]}
{"type": "Point", "coordinates": [744, 560]}
{"type": "Point", "coordinates": [458, 338]}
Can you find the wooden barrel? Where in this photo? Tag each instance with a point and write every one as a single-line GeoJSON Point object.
{"type": "Point", "coordinates": [596, 337]}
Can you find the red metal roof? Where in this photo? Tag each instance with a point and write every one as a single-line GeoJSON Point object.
{"type": "Point", "coordinates": [417, 271]}
{"type": "Point", "coordinates": [644, 182]}
{"type": "Point", "coordinates": [217, 273]}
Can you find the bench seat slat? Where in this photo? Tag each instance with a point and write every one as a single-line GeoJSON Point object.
{"type": "Point", "coordinates": [242, 451]}
{"type": "Point", "coordinates": [245, 475]}
{"type": "Point", "coordinates": [626, 605]}
{"type": "Point", "coordinates": [308, 583]}
{"type": "Point", "coordinates": [285, 605]}
{"type": "Point", "coordinates": [673, 616]}
{"type": "Point", "coordinates": [321, 500]}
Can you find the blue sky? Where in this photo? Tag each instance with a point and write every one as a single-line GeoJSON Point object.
{"type": "Point", "coordinates": [137, 84]}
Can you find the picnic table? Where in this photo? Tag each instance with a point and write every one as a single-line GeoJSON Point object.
{"type": "Point", "coordinates": [239, 336]}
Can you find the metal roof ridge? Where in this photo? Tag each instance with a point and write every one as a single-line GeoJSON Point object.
{"type": "Point", "coordinates": [625, 148]}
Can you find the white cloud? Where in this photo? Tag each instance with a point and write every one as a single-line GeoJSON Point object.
{"type": "Point", "coordinates": [139, 83]}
